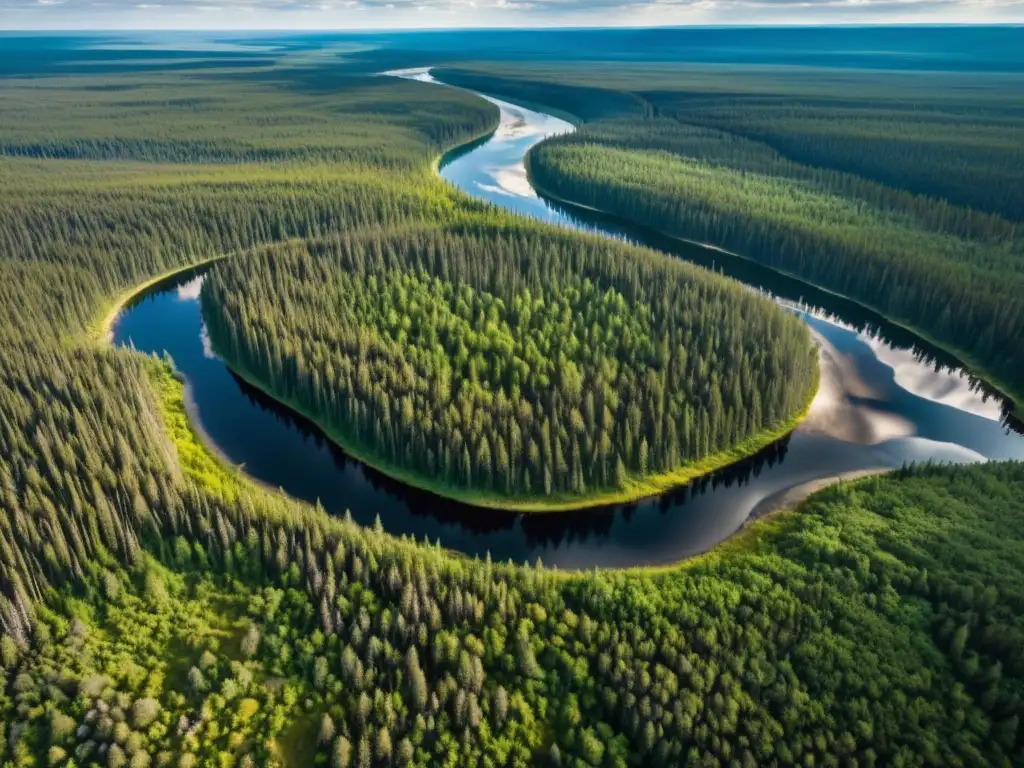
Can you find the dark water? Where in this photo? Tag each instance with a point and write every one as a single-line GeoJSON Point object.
{"type": "Point", "coordinates": [887, 399]}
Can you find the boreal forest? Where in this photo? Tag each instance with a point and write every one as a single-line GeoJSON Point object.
{"type": "Point", "coordinates": [511, 363]}
{"type": "Point", "coordinates": [161, 605]}
{"type": "Point", "coordinates": [902, 192]}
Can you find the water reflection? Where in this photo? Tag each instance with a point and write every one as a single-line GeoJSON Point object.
{"type": "Point", "coordinates": [921, 367]}
{"type": "Point", "coordinates": [541, 530]}
{"type": "Point", "coordinates": [887, 398]}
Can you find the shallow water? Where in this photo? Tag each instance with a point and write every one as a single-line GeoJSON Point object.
{"type": "Point", "coordinates": [887, 398]}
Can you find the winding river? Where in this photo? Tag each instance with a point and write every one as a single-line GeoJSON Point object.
{"type": "Point", "coordinates": [887, 398]}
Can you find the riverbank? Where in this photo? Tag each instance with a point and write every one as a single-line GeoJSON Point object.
{"type": "Point", "coordinates": [198, 455]}
{"type": "Point", "coordinates": [960, 357]}
{"type": "Point", "coordinates": [637, 489]}
{"type": "Point", "coordinates": [102, 330]}
{"type": "Point", "coordinates": [790, 498]}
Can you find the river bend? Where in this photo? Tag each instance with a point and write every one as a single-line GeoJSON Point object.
{"type": "Point", "coordinates": [887, 398]}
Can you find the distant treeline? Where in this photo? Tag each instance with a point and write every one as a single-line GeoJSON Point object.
{"type": "Point", "coordinates": [277, 118]}
{"type": "Point", "coordinates": [584, 102]}
{"type": "Point", "coordinates": [512, 360]}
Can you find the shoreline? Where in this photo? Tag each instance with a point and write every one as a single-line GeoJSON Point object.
{"type": "Point", "coordinates": [195, 423]}
{"type": "Point", "coordinates": [762, 522]}
{"type": "Point", "coordinates": [643, 488]}
{"type": "Point", "coordinates": [787, 499]}
{"type": "Point", "coordinates": [964, 360]}
{"type": "Point", "coordinates": [101, 331]}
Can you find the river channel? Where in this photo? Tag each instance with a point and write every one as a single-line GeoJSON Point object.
{"type": "Point", "coordinates": [887, 398]}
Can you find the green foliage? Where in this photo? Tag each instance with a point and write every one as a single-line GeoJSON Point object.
{"type": "Point", "coordinates": [246, 118]}
{"type": "Point", "coordinates": [966, 293]}
{"type": "Point", "coordinates": [157, 610]}
{"type": "Point", "coordinates": [868, 625]}
{"type": "Point", "coordinates": [764, 165]}
{"type": "Point", "coordinates": [509, 360]}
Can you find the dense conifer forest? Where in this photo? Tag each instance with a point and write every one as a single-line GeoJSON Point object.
{"type": "Point", "coordinates": [510, 362]}
{"type": "Point", "coordinates": [955, 136]}
{"type": "Point", "coordinates": [159, 609]}
{"type": "Point", "coordinates": [902, 192]}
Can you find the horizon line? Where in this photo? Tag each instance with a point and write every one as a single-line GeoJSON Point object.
{"type": "Point", "coordinates": [552, 28]}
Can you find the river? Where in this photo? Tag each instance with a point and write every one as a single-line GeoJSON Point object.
{"type": "Point", "coordinates": [887, 398]}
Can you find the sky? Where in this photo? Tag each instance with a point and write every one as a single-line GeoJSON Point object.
{"type": "Point", "coordinates": [323, 15]}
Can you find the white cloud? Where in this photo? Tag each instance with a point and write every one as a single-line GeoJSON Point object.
{"type": "Point", "coordinates": [421, 14]}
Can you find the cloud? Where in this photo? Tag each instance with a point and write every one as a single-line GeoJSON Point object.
{"type": "Point", "coordinates": [354, 14]}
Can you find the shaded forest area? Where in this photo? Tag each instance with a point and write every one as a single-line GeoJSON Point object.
{"type": "Point", "coordinates": [506, 360]}
{"type": "Point", "coordinates": [157, 609]}
{"type": "Point", "coordinates": [955, 136]}
{"type": "Point", "coordinates": [902, 192]}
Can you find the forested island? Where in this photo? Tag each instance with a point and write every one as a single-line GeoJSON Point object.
{"type": "Point", "coordinates": [158, 608]}
{"type": "Point", "coordinates": [504, 364]}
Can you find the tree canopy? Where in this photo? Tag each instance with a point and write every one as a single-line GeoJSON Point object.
{"type": "Point", "coordinates": [509, 360]}
{"type": "Point", "coordinates": [901, 192]}
{"type": "Point", "coordinates": [158, 609]}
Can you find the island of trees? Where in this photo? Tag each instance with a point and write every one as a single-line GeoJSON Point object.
{"type": "Point", "coordinates": [506, 364]}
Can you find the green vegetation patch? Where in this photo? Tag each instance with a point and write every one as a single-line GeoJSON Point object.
{"type": "Point", "coordinates": [882, 623]}
{"type": "Point", "coordinates": [512, 365]}
{"type": "Point", "coordinates": [917, 261]}
{"type": "Point", "coordinates": [149, 618]}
